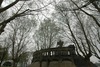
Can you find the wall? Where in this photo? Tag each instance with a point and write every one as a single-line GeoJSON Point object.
{"type": "Point", "coordinates": [53, 64]}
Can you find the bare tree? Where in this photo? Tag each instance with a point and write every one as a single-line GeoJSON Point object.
{"type": "Point", "coordinates": [90, 35]}
{"type": "Point", "coordinates": [24, 58]}
{"type": "Point", "coordinates": [4, 48]}
{"type": "Point", "coordinates": [20, 8]}
{"type": "Point", "coordinates": [3, 9]}
{"type": "Point", "coordinates": [19, 38]}
{"type": "Point", "coordinates": [81, 27]}
{"type": "Point", "coordinates": [46, 35]}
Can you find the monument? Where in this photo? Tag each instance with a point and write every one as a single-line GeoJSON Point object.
{"type": "Point", "coordinates": [58, 57]}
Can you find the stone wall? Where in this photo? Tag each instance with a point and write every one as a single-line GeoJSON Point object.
{"type": "Point", "coordinates": [53, 64]}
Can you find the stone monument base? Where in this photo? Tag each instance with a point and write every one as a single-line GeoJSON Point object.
{"type": "Point", "coordinates": [53, 64]}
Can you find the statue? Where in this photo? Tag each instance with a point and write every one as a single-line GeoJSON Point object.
{"type": "Point", "coordinates": [60, 43]}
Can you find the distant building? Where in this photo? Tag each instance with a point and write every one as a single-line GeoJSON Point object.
{"type": "Point", "coordinates": [59, 56]}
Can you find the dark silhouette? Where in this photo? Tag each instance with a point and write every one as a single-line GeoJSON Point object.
{"type": "Point", "coordinates": [60, 54]}
{"type": "Point", "coordinates": [60, 43]}
{"type": "Point", "coordinates": [7, 64]}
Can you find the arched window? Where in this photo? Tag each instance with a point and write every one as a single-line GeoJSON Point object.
{"type": "Point", "coordinates": [68, 53]}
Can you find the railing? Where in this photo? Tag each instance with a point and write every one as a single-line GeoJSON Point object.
{"type": "Point", "coordinates": [53, 53]}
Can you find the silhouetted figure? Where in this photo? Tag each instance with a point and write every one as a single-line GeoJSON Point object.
{"type": "Point", "coordinates": [60, 43]}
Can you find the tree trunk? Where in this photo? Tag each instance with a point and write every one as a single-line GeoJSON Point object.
{"type": "Point", "coordinates": [89, 64]}
{"type": "Point", "coordinates": [0, 64]}
{"type": "Point", "coordinates": [14, 64]}
{"type": "Point", "coordinates": [1, 3]}
{"type": "Point", "coordinates": [40, 63]}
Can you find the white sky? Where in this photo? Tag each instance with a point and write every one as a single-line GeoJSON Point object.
{"type": "Point", "coordinates": [94, 59]}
